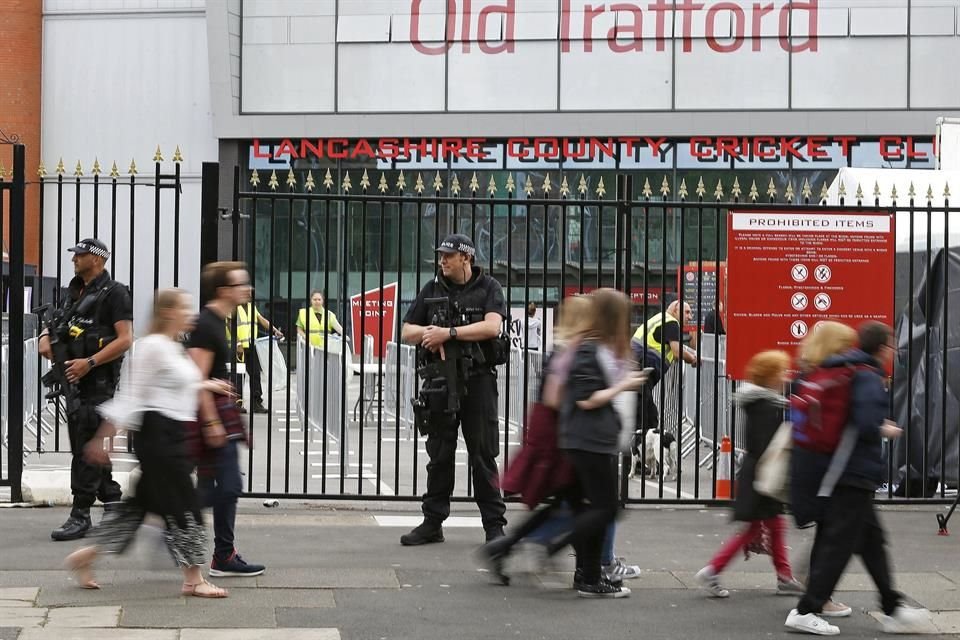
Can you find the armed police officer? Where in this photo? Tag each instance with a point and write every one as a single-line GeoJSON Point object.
{"type": "Point", "coordinates": [456, 322]}
{"type": "Point", "coordinates": [93, 332]}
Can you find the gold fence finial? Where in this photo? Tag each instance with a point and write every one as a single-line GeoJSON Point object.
{"type": "Point", "coordinates": [789, 193]}
{"type": "Point", "coordinates": [842, 191]}
{"type": "Point", "coordinates": [876, 189]}
{"type": "Point", "coordinates": [682, 191]}
{"type": "Point", "coordinates": [328, 180]}
{"type": "Point", "coordinates": [291, 179]}
{"type": "Point", "coordinates": [582, 185]}
{"type": "Point", "coordinates": [158, 157]}
{"type": "Point", "coordinates": [418, 185]}
{"type": "Point", "coordinates": [701, 187]}
{"type": "Point", "coordinates": [736, 191]}
{"type": "Point", "coordinates": [492, 187]}
{"type": "Point", "coordinates": [806, 192]}
{"type": "Point", "coordinates": [79, 170]}
{"type": "Point", "coordinates": [772, 190]}
{"type": "Point", "coordinates": [41, 170]}
{"type": "Point", "coordinates": [665, 187]}
{"type": "Point", "coordinates": [346, 185]}
{"type": "Point", "coordinates": [547, 186]}
{"type": "Point", "coordinates": [273, 183]}
{"type": "Point", "coordinates": [647, 190]}
{"type": "Point", "coordinates": [255, 179]}
{"type": "Point", "coordinates": [564, 188]}
{"type": "Point", "coordinates": [946, 190]}
{"type": "Point", "coordinates": [177, 156]}
{"type": "Point", "coordinates": [859, 194]}
{"type": "Point", "coordinates": [309, 184]}
{"type": "Point", "coordinates": [114, 172]}
{"type": "Point", "coordinates": [601, 190]}
{"type": "Point", "coordinates": [365, 180]}
{"type": "Point", "coordinates": [511, 184]}
{"type": "Point", "coordinates": [893, 194]}
{"type": "Point", "coordinates": [474, 183]}
{"type": "Point", "coordinates": [911, 191]}
{"type": "Point", "coordinates": [929, 193]}
{"type": "Point", "coordinates": [824, 191]}
{"type": "Point", "coordinates": [718, 192]}
{"type": "Point", "coordinates": [437, 183]}
{"type": "Point", "coordinates": [754, 193]}
{"type": "Point", "coordinates": [401, 182]}
{"type": "Point", "coordinates": [382, 185]}
{"type": "Point", "coordinates": [132, 169]}
{"type": "Point", "coordinates": [455, 185]}
{"type": "Point", "coordinates": [96, 167]}
{"type": "Point", "coordinates": [60, 168]}
{"type": "Point", "coordinates": [528, 186]}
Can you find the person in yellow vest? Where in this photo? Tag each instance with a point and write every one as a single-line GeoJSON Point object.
{"type": "Point", "coordinates": [249, 322]}
{"type": "Point", "coordinates": [317, 321]}
{"type": "Point", "coordinates": [657, 344]}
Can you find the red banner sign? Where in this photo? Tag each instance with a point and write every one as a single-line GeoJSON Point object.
{"type": "Point", "coordinates": [367, 310]}
{"type": "Point", "coordinates": [787, 271]}
{"type": "Point", "coordinates": [654, 294]}
{"type": "Point", "coordinates": [711, 282]}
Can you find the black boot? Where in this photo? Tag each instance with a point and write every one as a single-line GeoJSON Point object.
{"type": "Point", "coordinates": [424, 533]}
{"type": "Point", "coordinates": [492, 533]}
{"type": "Point", "coordinates": [74, 528]}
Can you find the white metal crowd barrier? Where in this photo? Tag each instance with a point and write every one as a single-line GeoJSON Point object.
{"type": "Point", "coordinates": [323, 406]}
{"type": "Point", "coordinates": [32, 371]}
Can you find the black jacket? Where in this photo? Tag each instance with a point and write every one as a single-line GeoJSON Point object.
{"type": "Point", "coordinates": [596, 430]}
{"type": "Point", "coordinates": [764, 413]}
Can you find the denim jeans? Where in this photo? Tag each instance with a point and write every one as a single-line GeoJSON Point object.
{"type": "Point", "coordinates": [221, 492]}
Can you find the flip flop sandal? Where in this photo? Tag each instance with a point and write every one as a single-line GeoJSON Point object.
{"type": "Point", "coordinates": [191, 590]}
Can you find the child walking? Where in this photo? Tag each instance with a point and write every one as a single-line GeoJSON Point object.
{"type": "Point", "coordinates": [762, 401]}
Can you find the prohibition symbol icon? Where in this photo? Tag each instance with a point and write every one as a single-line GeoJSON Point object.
{"type": "Point", "coordinates": [799, 273]}
{"type": "Point", "coordinates": [822, 273]}
{"type": "Point", "coordinates": [798, 329]}
{"type": "Point", "coordinates": [822, 301]}
{"type": "Point", "coordinates": [799, 301]}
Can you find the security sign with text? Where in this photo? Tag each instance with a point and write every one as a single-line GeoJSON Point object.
{"type": "Point", "coordinates": [790, 270]}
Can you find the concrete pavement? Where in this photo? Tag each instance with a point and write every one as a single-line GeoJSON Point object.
{"type": "Point", "coordinates": [338, 571]}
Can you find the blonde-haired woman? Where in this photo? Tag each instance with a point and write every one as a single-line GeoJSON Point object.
{"type": "Point", "coordinates": [828, 338]}
{"type": "Point", "coordinates": [158, 393]}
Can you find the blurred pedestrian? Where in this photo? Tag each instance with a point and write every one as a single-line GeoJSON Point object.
{"type": "Point", "coordinates": [158, 394]}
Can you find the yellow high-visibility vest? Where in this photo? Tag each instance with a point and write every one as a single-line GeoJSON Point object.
{"type": "Point", "coordinates": [315, 327]}
{"type": "Point", "coordinates": [644, 334]}
{"type": "Point", "coordinates": [247, 316]}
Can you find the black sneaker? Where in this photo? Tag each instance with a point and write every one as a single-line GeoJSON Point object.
{"type": "Point", "coordinates": [234, 567]}
{"type": "Point", "coordinates": [424, 533]}
{"type": "Point", "coordinates": [493, 533]}
{"type": "Point", "coordinates": [603, 589]}
{"type": "Point", "coordinates": [259, 408]}
{"type": "Point", "coordinates": [73, 529]}
{"type": "Point", "coordinates": [578, 579]}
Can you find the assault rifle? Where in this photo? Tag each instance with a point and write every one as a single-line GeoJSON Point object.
{"type": "Point", "coordinates": [438, 403]}
{"type": "Point", "coordinates": [58, 330]}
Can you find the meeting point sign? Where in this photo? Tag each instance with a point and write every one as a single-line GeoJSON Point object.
{"type": "Point", "coordinates": [788, 271]}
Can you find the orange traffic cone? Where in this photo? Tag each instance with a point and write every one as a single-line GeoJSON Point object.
{"type": "Point", "coordinates": [723, 482]}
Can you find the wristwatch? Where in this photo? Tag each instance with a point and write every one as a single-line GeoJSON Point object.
{"type": "Point", "coordinates": [92, 362]}
{"type": "Point", "coordinates": [453, 333]}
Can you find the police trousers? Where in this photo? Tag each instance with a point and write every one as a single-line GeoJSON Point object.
{"type": "Point", "coordinates": [481, 433]}
{"type": "Point", "coordinates": [88, 481]}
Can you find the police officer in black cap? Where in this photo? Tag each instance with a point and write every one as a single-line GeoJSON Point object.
{"type": "Point", "coordinates": [477, 301]}
{"type": "Point", "coordinates": [99, 313]}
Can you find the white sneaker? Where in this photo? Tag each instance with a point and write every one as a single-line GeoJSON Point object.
{"type": "Point", "coordinates": [708, 578]}
{"type": "Point", "coordinates": [619, 569]}
{"type": "Point", "coordinates": [906, 620]}
{"type": "Point", "coordinates": [810, 623]}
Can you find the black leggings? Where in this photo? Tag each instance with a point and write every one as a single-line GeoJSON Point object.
{"type": "Point", "coordinates": [595, 505]}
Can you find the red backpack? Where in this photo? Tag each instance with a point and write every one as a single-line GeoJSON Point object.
{"type": "Point", "coordinates": [820, 407]}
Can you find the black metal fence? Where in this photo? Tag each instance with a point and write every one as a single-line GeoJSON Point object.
{"type": "Point", "coordinates": [339, 423]}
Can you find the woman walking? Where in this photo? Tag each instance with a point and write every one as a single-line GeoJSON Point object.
{"type": "Point", "coordinates": [762, 401]}
{"type": "Point", "coordinates": [158, 394]}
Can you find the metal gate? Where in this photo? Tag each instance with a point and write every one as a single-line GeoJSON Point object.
{"type": "Point", "coordinates": [339, 422]}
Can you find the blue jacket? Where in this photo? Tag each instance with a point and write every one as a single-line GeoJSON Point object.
{"type": "Point", "coordinates": [869, 407]}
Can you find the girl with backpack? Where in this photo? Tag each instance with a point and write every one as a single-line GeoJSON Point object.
{"type": "Point", "coordinates": [762, 401]}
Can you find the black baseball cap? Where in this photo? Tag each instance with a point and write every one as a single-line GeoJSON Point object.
{"type": "Point", "coordinates": [457, 243]}
{"type": "Point", "coordinates": [91, 245]}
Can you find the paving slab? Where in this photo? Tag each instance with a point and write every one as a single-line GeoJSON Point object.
{"type": "Point", "coordinates": [15, 604]}
{"type": "Point", "coordinates": [83, 617]}
{"type": "Point", "coordinates": [18, 617]}
{"type": "Point", "coordinates": [904, 582]}
{"type": "Point", "coordinates": [329, 579]}
{"type": "Point", "coordinates": [952, 576]}
{"type": "Point", "coordinates": [734, 580]}
{"type": "Point", "coordinates": [260, 634]}
{"type": "Point", "coordinates": [268, 597]}
{"type": "Point", "coordinates": [22, 594]}
{"type": "Point", "coordinates": [936, 599]}
{"type": "Point", "coordinates": [64, 595]}
{"type": "Point", "coordinates": [56, 633]}
{"type": "Point", "coordinates": [9, 633]}
{"type": "Point", "coordinates": [947, 622]}
{"type": "Point", "coordinates": [207, 613]}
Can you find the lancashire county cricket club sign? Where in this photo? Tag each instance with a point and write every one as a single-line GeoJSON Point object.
{"type": "Point", "coordinates": [789, 271]}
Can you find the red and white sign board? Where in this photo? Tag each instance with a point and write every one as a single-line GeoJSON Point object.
{"type": "Point", "coordinates": [713, 282]}
{"type": "Point", "coordinates": [787, 271]}
{"type": "Point", "coordinates": [366, 311]}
